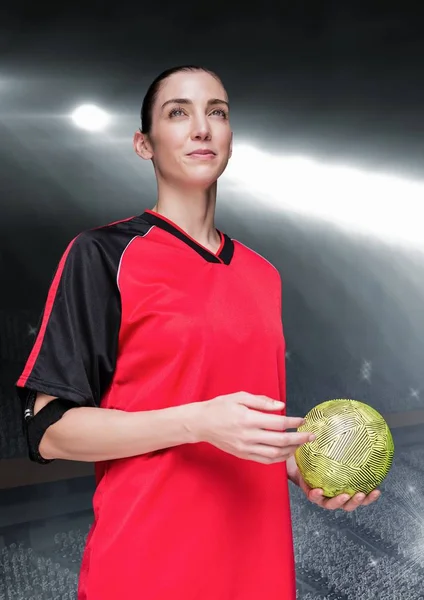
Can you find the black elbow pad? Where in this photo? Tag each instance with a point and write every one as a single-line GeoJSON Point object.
{"type": "Point", "coordinates": [36, 425]}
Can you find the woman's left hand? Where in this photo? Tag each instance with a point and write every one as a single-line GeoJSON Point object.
{"type": "Point", "coordinates": [344, 501]}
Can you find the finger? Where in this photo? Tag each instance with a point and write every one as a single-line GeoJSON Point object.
{"type": "Point", "coordinates": [265, 460]}
{"type": "Point", "coordinates": [272, 438]}
{"type": "Point", "coordinates": [354, 502]}
{"type": "Point", "coordinates": [261, 402]}
{"type": "Point", "coordinates": [316, 495]}
{"type": "Point", "coordinates": [294, 422]}
{"type": "Point", "coordinates": [298, 438]}
{"type": "Point", "coordinates": [276, 422]}
{"type": "Point", "coordinates": [271, 451]}
{"type": "Point", "coordinates": [372, 497]}
{"type": "Point", "coordinates": [336, 502]}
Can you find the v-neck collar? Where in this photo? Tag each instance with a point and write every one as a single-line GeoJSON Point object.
{"type": "Point", "coordinates": [224, 253]}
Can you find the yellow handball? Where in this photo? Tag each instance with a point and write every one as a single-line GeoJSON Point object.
{"type": "Point", "coordinates": [353, 449]}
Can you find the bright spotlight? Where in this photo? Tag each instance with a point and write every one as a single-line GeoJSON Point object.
{"type": "Point", "coordinates": [90, 117]}
{"type": "Point", "coordinates": [384, 205]}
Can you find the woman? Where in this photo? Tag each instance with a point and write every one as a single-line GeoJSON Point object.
{"type": "Point", "coordinates": [175, 329]}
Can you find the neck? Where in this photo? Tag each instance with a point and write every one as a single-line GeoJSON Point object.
{"type": "Point", "coordinates": [192, 210]}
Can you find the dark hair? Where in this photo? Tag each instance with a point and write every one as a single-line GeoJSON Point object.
{"type": "Point", "coordinates": [152, 92]}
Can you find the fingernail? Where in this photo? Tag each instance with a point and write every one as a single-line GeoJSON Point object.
{"type": "Point", "coordinates": [312, 437]}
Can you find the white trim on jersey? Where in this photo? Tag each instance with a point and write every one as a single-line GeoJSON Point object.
{"type": "Point", "coordinates": [125, 249]}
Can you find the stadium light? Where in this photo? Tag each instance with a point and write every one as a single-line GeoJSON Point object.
{"type": "Point", "coordinates": [383, 205]}
{"type": "Point", "coordinates": [90, 117]}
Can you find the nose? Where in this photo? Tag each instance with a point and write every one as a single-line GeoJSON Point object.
{"type": "Point", "coordinates": [201, 130]}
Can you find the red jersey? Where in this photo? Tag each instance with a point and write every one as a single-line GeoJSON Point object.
{"type": "Point", "coordinates": [140, 317]}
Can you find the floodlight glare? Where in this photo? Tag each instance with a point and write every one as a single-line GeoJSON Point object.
{"type": "Point", "coordinates": [90, 117]}
{"type": "Point", "coordinates": [375, 203]}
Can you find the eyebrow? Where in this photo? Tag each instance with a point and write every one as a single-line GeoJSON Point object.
{"type": "Point", "coordinates": [212, 101]}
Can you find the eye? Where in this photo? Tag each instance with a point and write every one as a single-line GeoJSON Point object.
{"type": "Point", "coordinates": [176, 112]}
{"type": "Point", "coordinates": [220, 112]}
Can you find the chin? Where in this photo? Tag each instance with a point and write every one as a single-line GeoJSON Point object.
{"type": "Point", "coordinates": [201, 180]}
{"type": "Point", "coordinates": [201, 183]}
{"type": "Point", "coordinates": [205, 177]}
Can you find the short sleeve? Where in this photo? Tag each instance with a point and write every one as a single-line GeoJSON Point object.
{"type": "Point", "coordinates": [74, 353]}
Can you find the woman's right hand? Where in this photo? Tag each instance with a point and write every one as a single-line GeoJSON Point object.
{"type": "Point", "coordinates": [244, 425]}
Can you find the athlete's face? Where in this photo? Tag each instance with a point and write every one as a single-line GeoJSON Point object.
{"type": "Point", "coordinates": [191, 140]}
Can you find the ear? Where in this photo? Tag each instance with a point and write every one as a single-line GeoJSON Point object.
{"type": "Point", "coordinates": [142, 145]}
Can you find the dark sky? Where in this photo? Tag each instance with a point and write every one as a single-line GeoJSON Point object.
{"type": "Point", "coordinates": [339, 81]}
{"type": "Point", "coordinates": [333, 78]}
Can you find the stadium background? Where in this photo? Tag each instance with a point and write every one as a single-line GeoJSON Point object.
{"type": "Point", "coordinates": [340, 85]}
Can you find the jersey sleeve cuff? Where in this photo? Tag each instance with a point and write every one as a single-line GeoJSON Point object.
{"type": "Point", "coordinates": [51, 389]}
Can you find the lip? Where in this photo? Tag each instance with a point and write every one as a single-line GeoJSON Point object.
{"type": "Point", "coordinates": [202, 152]}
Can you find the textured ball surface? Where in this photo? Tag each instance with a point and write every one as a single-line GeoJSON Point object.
{"type": "Point", "coordinates": [353, 450]}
